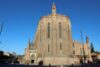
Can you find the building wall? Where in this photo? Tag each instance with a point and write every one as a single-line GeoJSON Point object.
{"type": "Point", "coordinates": [55, 45]}
{"type": "Point", "coordinates": [78, 50]}
{"type": "Point", "coordinates": [27, 55]}
{"type": "Point", "coordinates": [59, 60]}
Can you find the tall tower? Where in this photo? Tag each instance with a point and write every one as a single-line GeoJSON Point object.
{"type": "Point", "coordinates": [53, 38]}
{"type": "Point", "coordinates": [88, 48]}
{"type": "Point", "coordinates": [54, 34]}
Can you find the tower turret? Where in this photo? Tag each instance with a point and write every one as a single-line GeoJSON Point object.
{"type": "Point", "coordinates": [29, 44]}
{"type": "Point", "coordinates": [53, 8]}
{"type": "Point", "coordinates": [87, 39]}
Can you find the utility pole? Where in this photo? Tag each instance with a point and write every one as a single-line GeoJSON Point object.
{"type": "Point", "coordinates": [84, 57]}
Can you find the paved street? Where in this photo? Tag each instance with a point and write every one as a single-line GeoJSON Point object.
{"type": "Point", "coordinates": [21, 65]}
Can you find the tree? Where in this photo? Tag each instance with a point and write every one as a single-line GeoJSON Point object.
{"type": "Point", "coordinates": [92, 48]}
{"type": "Point", "coordinates": [1, 52]}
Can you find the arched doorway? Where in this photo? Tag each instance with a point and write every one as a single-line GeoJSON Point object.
{"type": "Point", "coordinates": [32, 61]}
{"type": "Point", "coordinates": [32, 58]}
{"type": "Point", "coordinates": [40, 62]}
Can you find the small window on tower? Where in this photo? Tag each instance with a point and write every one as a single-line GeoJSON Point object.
{"type": "Point", "coordinates": [60, 46]}
{"type": "Point", "coordinates": [60, 30]}
{"type": "Point", "coordinates": [73, 45]}
{"type": "Point", "coordinates": [48, 30]}
{"type": "Point", "coordinates": [48, 48]}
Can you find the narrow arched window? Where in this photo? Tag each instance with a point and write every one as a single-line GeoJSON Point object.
{"type": "Point", "coordinates": [74, 52]}
{"type": "Point", "coordinates": [60, 30]}
{"type": "Point", "coordinates": [73, 45]}
{"type": "Point", "coordinates": [60, 46]}
{"type": "Point", "coordinates": [48, 30]}
{"type": "Point", "coordinates": [48, 48]}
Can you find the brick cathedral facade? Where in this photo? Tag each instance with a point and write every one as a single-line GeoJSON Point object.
{"type": "Point", "coordinates": [53, 43]}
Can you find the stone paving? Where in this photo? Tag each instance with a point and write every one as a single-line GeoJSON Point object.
{"type": "Point", "coordinates": [22, 65]}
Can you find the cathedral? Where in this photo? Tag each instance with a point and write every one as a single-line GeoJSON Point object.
{"type": "Point", "coordinates": [53, 43]}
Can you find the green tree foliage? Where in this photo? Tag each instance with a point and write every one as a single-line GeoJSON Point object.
{"type": "Point", "coordinates": [1, 52]}
{"type": "Point", "coordinates": [92, 48]}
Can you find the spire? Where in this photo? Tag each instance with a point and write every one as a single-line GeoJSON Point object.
{"type": "Point", "coordinates": [53, 8]}
{"type": "Point", "coordinates": [29, 43]}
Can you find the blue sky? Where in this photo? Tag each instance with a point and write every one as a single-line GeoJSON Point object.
{"type": "Point", "coordinates": [20, 18]}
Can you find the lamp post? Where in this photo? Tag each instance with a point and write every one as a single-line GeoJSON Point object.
{"type": "Point", "coordinates": [84, 57]}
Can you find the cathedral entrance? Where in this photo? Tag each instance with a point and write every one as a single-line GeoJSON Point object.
{"type": "Point", "coordinates": [32, 59]}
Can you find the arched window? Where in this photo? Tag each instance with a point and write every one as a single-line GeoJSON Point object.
{"type": "Point", "coordinates": [73, 51]}
{"type": "Point", "coordinates": [48, 30]}
{"type": "Point", "coordinates": [60, 46]}
{"type": "Point", "coordinates": [60, 30]}
{"type": "Point", "coordinates": [73, 45]}
{"type": "Point", "coordinates": [48, 48]}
